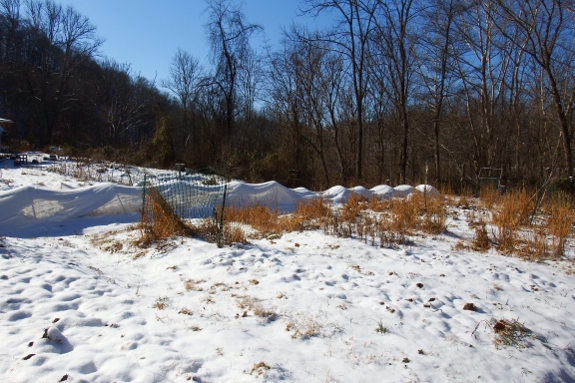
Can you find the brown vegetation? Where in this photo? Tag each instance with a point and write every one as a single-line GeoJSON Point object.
{"type": "Point", "coordinates": [159, 223]}
{"type": "Point", "coordinates": [520, 225]}
{"type": "Point", "coordinates": [509, 222]}
{"type": "Point", "coordinates": [388, 221]}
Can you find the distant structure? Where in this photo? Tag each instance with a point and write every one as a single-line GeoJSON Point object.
{"type": "Point", "coordinates": [3, 121]}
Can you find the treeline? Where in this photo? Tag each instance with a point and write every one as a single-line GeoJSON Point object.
{"type": "Point", "coordinates": [394, 91]}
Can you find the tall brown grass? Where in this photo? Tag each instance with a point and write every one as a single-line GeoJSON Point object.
{"type": "Point", "coordinates": [481, 241]}
{"type": "Point", "coordinates": [510, 213]}
{"type": "Point", "coordinates": [506, 223]}
{"type": "Point", "coordinates": [489, 197]}
{"type": "Point", "coordinates": [308, 215]}
{"type": "Point", "coordinates": [263, 219]}
{"type": "Point", "coordinates": [159, 223]}
{"type": "Point", "coordinates": [266, 220]}
{"type": "Point", "coordinates": [518, 228]}
{"type": "Point", "coordinates": [435, 216]}
{"type": "Point", "coordinates": [559, 221]}
{"type": "Point", "coordinates": [388, 221]}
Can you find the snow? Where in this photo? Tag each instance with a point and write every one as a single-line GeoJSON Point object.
{"type": "Point", "coordinates": [306, 307]}
{"type": "Point", "coordinates": [428, 189]}
{"type": "Point", "coordinates": [383, 191]}
{"type": "Point", "coordinates": [403, 190]}
{"type": "Point", "coordinates": [26, 199]}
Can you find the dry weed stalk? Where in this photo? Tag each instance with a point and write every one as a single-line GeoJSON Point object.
{"type": "Point", "coordinates": [159, 222]}
{"type": "Point", "coordinates": [510, 214]}
{"type": "Point", "coordinates": [481, 241]}
{"type": "Point", "coordinates": [388, 220]}
{"type": "Point", "coordinates": [434, 220]}
{"type": "Point", "coordinates": [262, 218]}
{"type": "Point", "coordinates": [510, 332]}
{"type": "Point", "coordinates": [560, 223]}
{"type": "Point", "coordinates": [489, 197]}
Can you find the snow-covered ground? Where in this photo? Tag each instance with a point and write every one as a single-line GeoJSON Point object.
{"type": "Point", "coordinates": [81, 304]}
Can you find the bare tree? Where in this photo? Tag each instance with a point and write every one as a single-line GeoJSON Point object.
{"type": "Point", "coordinates": [124, 102]}
{"type": "Point", "coordinates": [546, 33]}
{"type": "Point", "coordinates": [64, 40]}
{"type": "Point", "coordinates": [350, 37]}
{"type": "Point", "coordinates": [435, 62]}
{"type": "Point", "coordinates": [228, 34]}
{"type": "Point", "coordinates": [186, 76]}
{"type": "Point", "coordinates": [482, 63]}
{"type": "Point", "coordinates": [396, 50]}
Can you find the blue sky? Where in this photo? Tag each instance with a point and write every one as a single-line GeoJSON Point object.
{"type": "Point", "coordinates": [147, 33]}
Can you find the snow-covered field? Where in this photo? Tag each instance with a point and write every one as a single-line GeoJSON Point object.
{"type": "Point", "coordinates": [82, 304]}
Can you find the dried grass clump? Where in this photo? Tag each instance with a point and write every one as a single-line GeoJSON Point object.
{"type": "Point", "coordinates": [308, 215]}
{"type": "Point", "coordinates": [304, 330]}
{"type": "Point", "coordinates": [535, 245]}
{"type": "Point", "coordinates": [518, 228]}
{"type": "Point", "coordinates": [263, 219]}
{"type": "Point", "coordinates": [435, 216]}
{"type": "Point", "coordinates": [390, 221]}
{"type": "Point", "coordinates": [159, 222]}
{"type": "Point", "coordinates": [267, 220]}
{"type": "Point", "coordinates": [387, 237]}
{"type": "Point", "coordinates": [489, 197]}
{"type": "Point", "coordinates": [379, 205]}
{"type": "Point", "coordinates": [345, 220]}
{"type": "Point", "coordinates": [418, 212]}
{"type": "Point", "coordinates": [405, 212]}
{"type": "Point", "coordinates": [561, 214]}
{"type": "Point", "coordinates": [254, 305]}
{"type": "Point", "coordinates": [209, 230]}
{"type": "Point", "coordinates": [260, 369]}
{"type": "Point", "coordinates": [513, 333]}
{"type": "Point", "coordinates": [161, 303]}
{"type": "Point", "coordinates": [481, 241]}
{"type": "Point", "coordinates": [511, 213]}
{"type": "Point", "coordinates": [513, 209]}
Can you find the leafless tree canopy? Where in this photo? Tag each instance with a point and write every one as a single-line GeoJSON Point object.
{"type": "Point", "coordinates": [392, 91]}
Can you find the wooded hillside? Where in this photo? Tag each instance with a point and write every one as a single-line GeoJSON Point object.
{"type": "Point", "coordinates": [392, 87]}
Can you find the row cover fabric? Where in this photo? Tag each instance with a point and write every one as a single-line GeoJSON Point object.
{"type": "Point", "coordinates": [28, 205]}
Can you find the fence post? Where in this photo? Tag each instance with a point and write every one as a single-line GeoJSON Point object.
{"type": "Point", "coordinates": [540, 194]}
{"type": "Point", "coordinates": [425, 187]}
{"type": "Point", "coordinates": [144, 198]}
{"type": "Point", "coordinates": [221, 228]}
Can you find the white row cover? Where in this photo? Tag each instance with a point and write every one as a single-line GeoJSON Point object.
{"type": "Point", "coordinates": [28, 205]}
{"type": "Point", "coordinates": [276, 195]}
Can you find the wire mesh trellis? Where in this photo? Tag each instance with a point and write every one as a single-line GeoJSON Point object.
{"type": "Point", "coordinates": [189, 197]}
